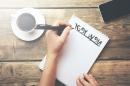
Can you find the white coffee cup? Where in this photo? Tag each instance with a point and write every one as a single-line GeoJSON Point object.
{"type": "Point", "coordinates": [26, 19]}
{"type": "Point", "coordinates": [23, 23]}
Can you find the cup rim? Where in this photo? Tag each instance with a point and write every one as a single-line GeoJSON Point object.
{"type": "Point", "coordinates": [34, 12]}
{"type": "Point", "coordinates": [30, 28]}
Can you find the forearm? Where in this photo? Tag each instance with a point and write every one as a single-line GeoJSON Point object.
{"type": "Point", "coordinates": [49, 74]}
{"type": "Point", "coordinates": [54, 45]}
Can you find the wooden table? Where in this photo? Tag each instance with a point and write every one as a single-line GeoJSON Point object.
{"type": "Point", "coordinates": [19, 59]}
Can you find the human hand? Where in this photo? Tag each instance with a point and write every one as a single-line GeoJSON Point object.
{"type": "Point", "coordinates": [86, 80]}
{"type": "Point", "coordinates": [54, 41]}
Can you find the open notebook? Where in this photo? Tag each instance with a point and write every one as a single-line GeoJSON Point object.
{"type": "Point", "coordinates": [82, 48]}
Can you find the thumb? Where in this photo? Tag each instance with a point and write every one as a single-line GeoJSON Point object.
{"type": "Point", "coordinates": [65, 33]}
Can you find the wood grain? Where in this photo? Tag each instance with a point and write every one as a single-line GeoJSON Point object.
{"type": "Point", "coordinates": [50, 3]}
{"type": "Point", "coordinates": [108, 73]}
{"type": "Point", "coordinates": [111, 73]}
{"type": "Point", "coordinates": [6, 46]}
{"type": "Point", "coordinates": [29, 50]}
{"type": "Point", "coordinates": [13, 49]}
{"type": "Point", "coordinates": [19, 59]}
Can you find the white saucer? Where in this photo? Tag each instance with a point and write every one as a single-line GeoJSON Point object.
{"type": "Point", "coordinates": [28, 36]}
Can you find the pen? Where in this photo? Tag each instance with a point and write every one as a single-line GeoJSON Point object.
{"type": "Point", "coordinates": [59, 29]}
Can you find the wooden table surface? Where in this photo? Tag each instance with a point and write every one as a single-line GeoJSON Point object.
{"type": "Point", "coordinates": [19, 59]}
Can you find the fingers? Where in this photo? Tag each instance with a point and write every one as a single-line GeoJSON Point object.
{"type": "Point", "coordinates": [49, 32]}
{"type": "Point", "coordinates": [65, 33]}
{"type": "Point", "coordinates": [88, 78]}
{"type": "Point", "coordinates": [94, 80]}
{"type": "Point", "coordinates": [84, 82]}
{"type": "Point", "coordinates": [91, 79]}
{"type": "Point", "coordinates": [78, 83]}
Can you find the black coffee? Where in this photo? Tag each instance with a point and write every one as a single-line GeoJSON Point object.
{"type": "Point", "coordinates": [26, 22]}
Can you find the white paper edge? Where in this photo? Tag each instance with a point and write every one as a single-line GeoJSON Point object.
{"type": "Point", "coordinates": [41, 65]}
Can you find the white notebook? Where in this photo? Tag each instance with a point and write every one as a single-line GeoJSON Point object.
{"type": "Point", "coordinates": [82, 48]}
